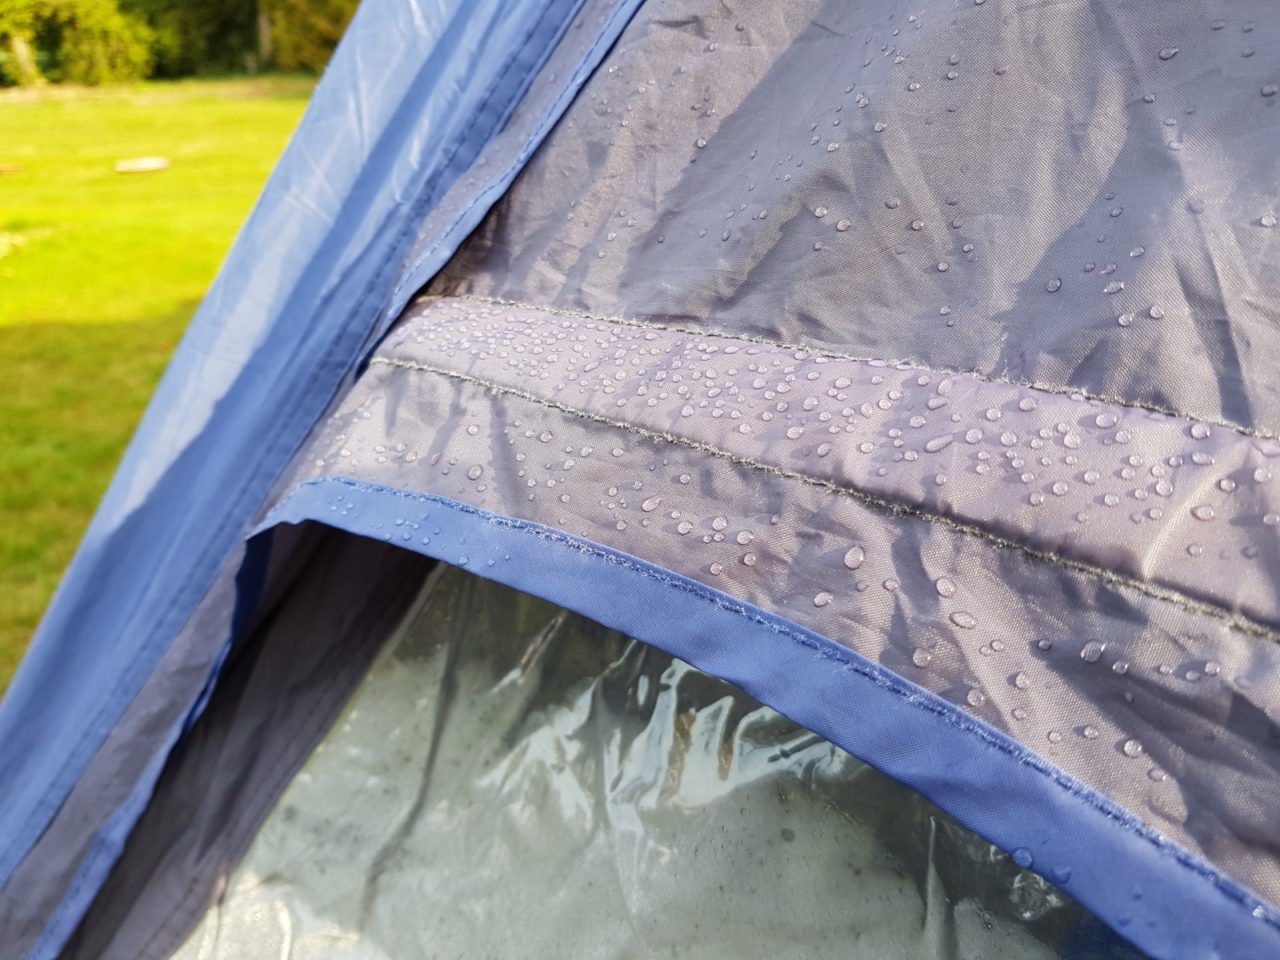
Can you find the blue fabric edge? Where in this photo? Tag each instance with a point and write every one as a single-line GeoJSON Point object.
{"type": "Point", "coordinates": [430, 260]}
{"type": "Point", "coordinates": [109, 843]}
{"type": "Point", "coordinates": [15, 847]}
{"type": "Point", "coordinates": [1151, 891]}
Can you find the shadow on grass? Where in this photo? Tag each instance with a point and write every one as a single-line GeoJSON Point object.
{"type": "Point", "coordinates": [73, 394]}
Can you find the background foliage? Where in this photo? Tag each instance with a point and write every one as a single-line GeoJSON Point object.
{"type": "Point", "coordinates": [99, 41]}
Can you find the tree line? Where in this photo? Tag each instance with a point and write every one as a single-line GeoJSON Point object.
{"type": "Point", "coordinates": [102, 41]}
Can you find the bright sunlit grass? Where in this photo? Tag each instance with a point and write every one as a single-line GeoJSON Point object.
{"type": "Point", "coordinates": [99, 274]}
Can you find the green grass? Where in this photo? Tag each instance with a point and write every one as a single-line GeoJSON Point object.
{"type": "Point", "coordinates": [99, 274]}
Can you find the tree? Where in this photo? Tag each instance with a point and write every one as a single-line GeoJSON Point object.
{"type": "Point", "coordinates": [303, 33]}
{"type": "Point", "coordinates": [81, 41]}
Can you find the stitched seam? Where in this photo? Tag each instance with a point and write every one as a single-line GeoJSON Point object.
{"type": "Point", "coordinates": [539, 133]}
{"type": "Point", "coordinates": [1260, 432]}
{"type": "Point", "coordinates": [1233, 620]}
{"type": "Point", "coordinates": [909, 693]}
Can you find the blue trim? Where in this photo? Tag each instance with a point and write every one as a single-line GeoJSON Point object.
{"type": "Point", "coordinates": [1165, 900]}
{"type": "Point", "coordinates": [408, 102]}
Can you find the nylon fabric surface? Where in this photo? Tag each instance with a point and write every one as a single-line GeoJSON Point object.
{"type": "Point", "coordinates": [510, 769]}
{"type": "Point", "coordinates": [1156, 704]}
{"type": "Point", "coordinates": [1077, 194]}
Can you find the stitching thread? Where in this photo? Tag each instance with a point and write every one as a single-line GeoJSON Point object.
{"type": "Point", "coordinates": [1232, 620]}
{"type": "Point", "coordinates": [1259, 432]}
{"type": "Point", "coordinates": [910, 694]}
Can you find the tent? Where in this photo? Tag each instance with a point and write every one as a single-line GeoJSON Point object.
{"type": "Point", "coordinates": [704, 479]}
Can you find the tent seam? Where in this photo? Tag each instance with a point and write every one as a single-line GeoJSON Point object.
{"type": "Point", "coordinates": [885, 679]}
{"type": "Point", "coordinates": [521, 158]}
{"type": "Point", "coordinates": [1232, 620]}
{"type": "Point", "coordinates": [1260, 433]}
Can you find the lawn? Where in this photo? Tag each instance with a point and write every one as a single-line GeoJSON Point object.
{"type": "Point", "coordinates": [99, 274]}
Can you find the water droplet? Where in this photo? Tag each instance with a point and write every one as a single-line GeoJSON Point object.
{"type": "Point", "coordinates": [1054, 736]}
{"type": "Point", "coordinates": [879, 126]}
{"type": "Point", "coordinates": [1200, 431]}
{"type": "Point", "coordinates": [1131, 748]}
{"type": "Point", "coordinates": [921, 657]}
{"type": "Point", "coordinates": [1022, 857]}
{"type": "Point", "coordinates": [1226, 485]}
{"type": "Point", "coordinates": [822, 599]}
{"type": "Point", "coordinates": [1054, 285]}
{"type": "Point", "coordinates": [943, 267]}
{"type": "Point", "coordinates": [1203, 512]}
{"type": "Point", "coordinates": [716, 569]}
{"type": "Point", "coordinates": [854, 557]}
{"type": "Point", "coordinates": [1092, 651]}
{"type": "Point", "coordinates": [917, 224]}
{"type": "Point", "coordinates": [475, 472]}
{"type": "Point", "coordinates": [1267, 220]}
{"type": "Point", "coordinates": [700, 143]}
{"type": "Point", "coordinates": [964, 620]}
{"type": "Point", "coordinates": [1168, 53]}
{"type": "Point", "coordinates": [1269, 90]}
{"type": "Point", "coordinates": [975, 697]}
{"type": "Point", "coordinates": [684, 527]}
{"type": "Point", "coordinates": [843, 225]}
{"type": "Point", "coordinates": [744, 537]}
{"type": "Point", "coordinates": [1156, 313]}
{"type": "Point", "coordinates": [1021, 681]}
{"type": "Point", "coordinates": [651, 504]}
{"type": "Point", "coordinates": [1115, 286]}
{"type": "Point", "coordinates": [819, 212]}
{"type": "Point", "coordinates": [892, 203]}
{"type": "Point", "coordinates": [938, 443]}
{"type": "Point", "coordinates": [945, 587]}
{"type": "Point", "coordinates": [1089, 732]}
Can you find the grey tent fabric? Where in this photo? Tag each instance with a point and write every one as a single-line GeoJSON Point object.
{"type": "Point", "coordinates": [1080, 195]}
{"type": "Point", "coordinates": [943, 332]}
{"type": "Point", "coordinates": [752, 468]}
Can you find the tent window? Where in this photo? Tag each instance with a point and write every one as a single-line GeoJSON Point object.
{"type": "Point", "coordinates": [512, 779]}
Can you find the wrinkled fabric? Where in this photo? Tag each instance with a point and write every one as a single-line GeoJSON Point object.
{"type": "Point", "coordinates": [1082, 195]}
{"type": "Point", "coordinates": [530, 784]}
{"type": "Point", "coordinates": [1157, 701]}
{"type": "Point", "coordinates": [941, 335]}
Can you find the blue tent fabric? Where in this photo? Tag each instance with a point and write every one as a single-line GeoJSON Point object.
{"type": "Point", "coordinates": [410, 99]}
{"type": "Point", "coordinates": [736, 354]}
